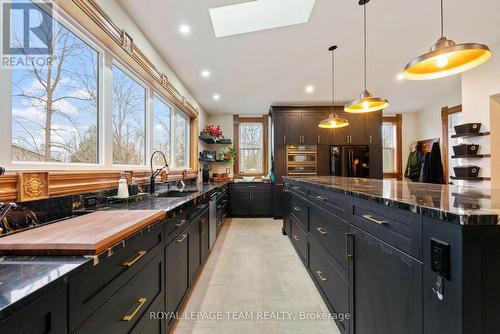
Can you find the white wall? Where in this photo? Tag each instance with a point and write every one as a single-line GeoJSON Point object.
{"type": "Point", "coordinates": [478, 86]}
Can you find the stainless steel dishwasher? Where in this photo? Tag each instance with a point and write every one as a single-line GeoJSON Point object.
{"type": "Point", "coordinates": [212, 222]}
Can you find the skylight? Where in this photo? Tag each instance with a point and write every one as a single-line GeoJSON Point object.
{"type": "Point", "coordinates": [259, 15]}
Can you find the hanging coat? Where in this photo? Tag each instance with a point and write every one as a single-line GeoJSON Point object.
{"type": "Point", "coordinates": [436, 173]}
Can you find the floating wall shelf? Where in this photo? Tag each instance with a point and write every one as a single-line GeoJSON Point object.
{"type": "Point", "coordinates": [476, 156]}
{"type": "Point", "coordinates": [212, 140]}
{"type": "Point", "coordinates": [471, 134]}
{"type": "Point", "coordinates": [471, 178]}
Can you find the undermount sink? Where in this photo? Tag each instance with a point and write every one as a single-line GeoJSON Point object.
{"type": "Point", "coordinates": [176, 193]}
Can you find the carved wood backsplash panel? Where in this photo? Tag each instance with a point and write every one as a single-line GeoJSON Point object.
{"type": "Point", "coordinates": [34, 185]}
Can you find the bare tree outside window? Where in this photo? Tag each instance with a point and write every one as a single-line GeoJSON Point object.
{"type": "Point", "coordinates": [161, 129]}
{"type": "Point", "coordinates": [129, 115]}
{"type": "Point", "coordinates": [251, 145]}
{"type": "Point", "coordinates": [55, 106]}
{"type": "Point", "coordinates": [181, 140]}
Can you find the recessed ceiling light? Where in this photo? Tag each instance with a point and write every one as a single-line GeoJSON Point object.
{"type": "Point", "coordinates": [400, 76]}
{"type": "Point", "coordinates": [309, 89]}
{"type": "Point", "coordinates": [184, 29]}
{"type": "Point", "coordinates": [216, 97]}
{"type": "Point", "coordinates": [205, 73]}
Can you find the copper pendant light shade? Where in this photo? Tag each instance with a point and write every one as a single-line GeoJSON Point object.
{"type": "Point", "coordinates": [365, 102]}
{"type": "Point", "coordinates": [446, 58]}
{"type": "Point", "coordinates": [333, 121]}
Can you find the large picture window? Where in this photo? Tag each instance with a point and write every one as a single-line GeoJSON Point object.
{"type": "Point", "coordinates": [82, 107]}
{"type": "Point", "coordinates": [129, 119]}
{"type": "Point", "coordinates": [55, 106]}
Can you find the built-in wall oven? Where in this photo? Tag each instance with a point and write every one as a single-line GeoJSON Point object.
{"type": "Point", "coordinates": [301, 160]}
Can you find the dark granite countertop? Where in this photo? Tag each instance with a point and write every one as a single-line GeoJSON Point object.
{"type": "Point", "coordinates": [27, 276]}
{"type": "Point", "coordinates": [23, 278]}
{"type": "Point", "coordinates": [451, 203]}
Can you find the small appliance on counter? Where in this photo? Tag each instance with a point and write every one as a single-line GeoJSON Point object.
{"type": "Point", "coordinates": [351, 161]}
{"type": "Point", "coordinates": [208, 155]}
{"type": "Point", "coordinates": [205, 173]}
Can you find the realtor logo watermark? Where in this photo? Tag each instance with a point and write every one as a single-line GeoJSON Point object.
{"type": "Point", "coordinates": [27, 33]}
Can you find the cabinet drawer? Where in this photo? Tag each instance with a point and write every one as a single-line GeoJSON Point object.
{"type": "Point", "coordinates": [124, 309]}
{"type": "Point", "coordinates": [329, 200]}
{"type": "Point", "coordinates": [175, 225]}
{"type": "Point", "coordinates": [299, 240]}
{"type": "Point", "coordinates": [46, 314]}
{"type": "Point", "coordinates": [333, 287]}
{"type": "Point", "coordinates": [330, 231]}
{"type": "Point", "coordinates": [296, 188]}
{"type": "Point", "coordinates": [93, 287]}
{"type": "Point", "coordinates": [197, 208]}
{"type": "Point", "coordinates": [399, 228]}
{"type": "Point", "coordinates": [299, 210]}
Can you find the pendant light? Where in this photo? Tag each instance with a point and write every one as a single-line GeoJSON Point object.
{"type": "Point", "coordinates": [333, 121]}
{"type": "Point", "coordinates": [446, 58]}
{"type": "Point", "coordinates": [365, 102]}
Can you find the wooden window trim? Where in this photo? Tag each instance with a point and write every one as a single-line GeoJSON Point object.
{"type": "Point", "coordinates": [237, 120]}
{"type": "Point", "coordinates": [398, 121]}
{"type": "Point", "coordinates": [445, 113]}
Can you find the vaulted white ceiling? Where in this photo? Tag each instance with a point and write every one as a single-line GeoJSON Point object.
{"type": "Point", "coordinates": [255, 70]}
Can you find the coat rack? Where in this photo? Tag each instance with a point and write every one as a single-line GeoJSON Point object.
{"type": "Point", "coordinates": [425, 146]}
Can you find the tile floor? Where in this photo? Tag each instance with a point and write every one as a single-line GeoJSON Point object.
{"type": "Point", "coordinates": [253, 269]}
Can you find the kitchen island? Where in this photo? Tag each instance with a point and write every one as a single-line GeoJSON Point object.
{"type": "Point", "coordinates": [391, 257]}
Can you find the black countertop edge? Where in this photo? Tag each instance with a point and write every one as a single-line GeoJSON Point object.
{"type": "Point", "coordinates": [24, 278]}
{"type": "Point", "coordinates": [456, 216]}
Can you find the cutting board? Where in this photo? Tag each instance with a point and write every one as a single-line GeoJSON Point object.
{"type": "Point", "coordinates": [90, 234]}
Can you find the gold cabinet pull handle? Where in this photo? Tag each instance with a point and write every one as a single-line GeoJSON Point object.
{"type": "Point", "coordinates": [319, 140]}
{"type": "Point", "coordinates": [321, 230]}
{"type": "Point", "coordinates": [322, 198]}
{"type": "Point", "coordinates": [371, 139]}
{"type": "Point", "coordinates": [181, 239]}
{"type": "Point", "coordinates": [376, 221]}
{"type": "Point", "coordinates": [296, 208]}
{"type": "Point", "coordinates": [348, 237]}
{"type": "Point", "coordinates": [296, 238]}
{"type": "Point", "coordinates": [181, 222]}
{"type": "Point", "coordinates": [137, 258]}
{"type": "Point", "coordinates": [131, 316]}
{"type": "Point", "coordinates": [320, 275]}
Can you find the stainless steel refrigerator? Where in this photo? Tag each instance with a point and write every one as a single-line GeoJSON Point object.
{"type": "Point", "coordinates": [350, 161]}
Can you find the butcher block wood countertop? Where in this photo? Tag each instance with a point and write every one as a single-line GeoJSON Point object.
{"type": "Point", "coordinates": [90, 234]}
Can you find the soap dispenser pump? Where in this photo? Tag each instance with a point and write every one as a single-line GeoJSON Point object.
{"type": "Point", "coordinates": [122, 187]}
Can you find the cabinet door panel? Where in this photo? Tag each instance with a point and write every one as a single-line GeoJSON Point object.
{"type": "Point", "coordinates": [376, 162]}
{"type": "Point", "coordinates": [204, 240]}
{"type": "Point", "coordinates": [322, 133]}
{"type": "Point", "coordinates": [323, 160]}
{"type": "Point", "coordinates": [194, 248]}
{"type": "Point", "coordinates": [339, 136]}
{"type": "Point", "coordinates": [293, 128]}
{"type": "Point", "coordinates": [262, 202]}
{"type": "Point", "coordinates": [279, 163]}
{"type": "Point", "coordinates": [385, 280]}
{"type": "Point", "coordinates": [240, 201]}
{"type": "Point", "coordinates": [357, 129]}
{"type": "Point", "coordinates": [309, 129]}
{"type": "Point", "coordinates": [177, 259]}
{"type": "Point", "coordinates": [279, 128]}
{"type": "Point", "coordinates": [374, 128]}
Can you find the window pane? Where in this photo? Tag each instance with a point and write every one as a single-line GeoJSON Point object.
{"type": "Point", "coordinates": [129, 105]}
{"type": "Point", "coordinates": [251, 142]}
{"type": "Point", "coordinates": [55, 105]}
{"type": "Point", "coordinates": [181, 140]}
{"type": "Point", "coordinates": [161, 129]}
{"type": "Point", "coordinates": [389, 147]}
